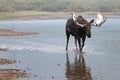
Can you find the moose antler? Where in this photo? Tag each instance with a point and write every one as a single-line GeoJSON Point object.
{"type": "Point", "coordinates": [100, 20]}
{"type": "Point", "coordinates": [74, 19]}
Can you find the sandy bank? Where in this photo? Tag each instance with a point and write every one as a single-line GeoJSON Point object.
{"type": "Point", "coordinates": [6, 61]}
{"type": "Point", "coordinates": [5, 32]}
{"type": "Point", "coordinates": [12, 74]}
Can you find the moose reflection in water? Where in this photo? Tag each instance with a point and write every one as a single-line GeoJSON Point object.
{"type": "Point", "coordinates": [77, 70]}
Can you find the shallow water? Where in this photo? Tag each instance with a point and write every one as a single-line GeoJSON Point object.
{"type": "Point", "coordinates": [43, 56]}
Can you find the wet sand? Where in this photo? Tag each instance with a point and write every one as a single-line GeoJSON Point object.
{"type": "Point", "coordinates": [3, 49]}
{"type": "Point", "coordinates": [11, 74]}
{"type": "Point", "coordinates": [6, 61]}
{"type": "Point", "coordinates": [6, 32]}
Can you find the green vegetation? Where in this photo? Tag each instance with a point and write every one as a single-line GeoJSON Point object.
{"type": "Point", "coordinates": [60, 5]}
{"type": "Point", "coordinates": [20, 14]}
{"type": "Point", "coordinates": [25, 8]}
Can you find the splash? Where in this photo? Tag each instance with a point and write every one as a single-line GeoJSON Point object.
{"type": "Point", "coordinates": [48, 48]}
{"type": "Point", "coordinates": [34, 46]}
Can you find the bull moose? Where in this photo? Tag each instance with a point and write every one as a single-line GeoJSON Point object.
{"type": "Point", "coordinates": [80, 28]}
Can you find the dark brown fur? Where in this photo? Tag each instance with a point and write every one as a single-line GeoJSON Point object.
{"type": "Point", "coordinates": [78, 32]}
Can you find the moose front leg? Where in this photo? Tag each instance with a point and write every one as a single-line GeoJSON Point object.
{"type": "Point", "coordinates": [76, 42]}
{"type": "Point", "coordinates": [79, 42]}
{"type": "Point", "coordinates": [68, 36]}
{"type": "Point", "coordinates": [83, 41]}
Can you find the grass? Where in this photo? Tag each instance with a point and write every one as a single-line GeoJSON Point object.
{"type": "Point", "coordinates": [7, 15]}
{"type": "Point", "coordinates": [19, 14]}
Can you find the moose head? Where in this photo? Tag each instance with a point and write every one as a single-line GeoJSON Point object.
{"type": "Point", "coordinates": [81, 22]}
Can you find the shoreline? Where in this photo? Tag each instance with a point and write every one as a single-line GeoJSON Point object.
{"type": "Point", "coordinates": [55, 17]}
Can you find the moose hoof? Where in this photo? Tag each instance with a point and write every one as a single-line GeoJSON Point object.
{"type": "Point", "coordinates": [81, 50]}
{"type": "Point", "coordinates": [66, 49]}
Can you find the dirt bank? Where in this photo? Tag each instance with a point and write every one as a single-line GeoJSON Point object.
{"type": "Point", "coordinates": [12, 74]}
{"type": "Point", "coordinates": [6, 32]}
{"type": "Point", "coordinates": [6, 61]}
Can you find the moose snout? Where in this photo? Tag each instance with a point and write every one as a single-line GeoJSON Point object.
{"type": "Point", "coordinates": [88, 35]}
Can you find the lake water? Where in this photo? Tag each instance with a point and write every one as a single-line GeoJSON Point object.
{"type": "Point", "coordinates": [44, 56]}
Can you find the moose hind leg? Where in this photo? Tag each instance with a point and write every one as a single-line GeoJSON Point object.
{"type": "Point", "coordinates": [79, 42]}
{"type": "Point", "coordinates": [76, 42]}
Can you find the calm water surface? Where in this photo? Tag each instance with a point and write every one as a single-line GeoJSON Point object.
{"type": "Point", "coordinates": [44, 56]}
